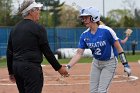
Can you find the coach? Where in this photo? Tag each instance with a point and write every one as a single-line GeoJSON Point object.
{"type": "Point", "coordinates": [26, 45]}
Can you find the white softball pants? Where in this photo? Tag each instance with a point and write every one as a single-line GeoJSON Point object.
{"type": "Point", "coordinates": [102, 73]}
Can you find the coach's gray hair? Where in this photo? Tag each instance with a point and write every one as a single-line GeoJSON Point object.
{"type": "Point", "coordinates": [24, 5]}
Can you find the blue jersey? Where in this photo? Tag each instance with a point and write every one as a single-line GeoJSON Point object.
{"type": "Point", "coordinates": [101, 43]}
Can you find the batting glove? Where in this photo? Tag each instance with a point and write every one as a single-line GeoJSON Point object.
{"type": "Point", "coordinates": [127, 69]}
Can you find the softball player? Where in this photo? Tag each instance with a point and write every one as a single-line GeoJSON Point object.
{"type": "Point", "coordinates": [26, 45]}
{"type": "Point", "coordinates": [105, 47]}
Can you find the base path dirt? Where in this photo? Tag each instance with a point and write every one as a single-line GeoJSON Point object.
{"type": "Point", "coordinates": [78, 81]}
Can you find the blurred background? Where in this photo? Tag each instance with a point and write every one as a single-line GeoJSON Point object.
{"type": "Point", "coordinates": [60, 18]}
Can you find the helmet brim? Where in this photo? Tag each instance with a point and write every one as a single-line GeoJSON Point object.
{"type": "Point", "coordinates": [84, 14]}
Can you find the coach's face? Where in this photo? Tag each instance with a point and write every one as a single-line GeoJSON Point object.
{"type": "Point", "coordinates": [35, 14]}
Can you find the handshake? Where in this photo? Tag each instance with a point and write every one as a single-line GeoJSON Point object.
{"type": "Point", "coordinates": [64, 70]}
{"type": "Point", "coordinates": [67, 67]}
{"type": "Point", "coordinates": [127, 69]}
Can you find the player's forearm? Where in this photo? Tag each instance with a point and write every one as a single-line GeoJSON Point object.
{"type": "Point", "coordinates": [121, 53]}
{"type": "Point", "coordinates": [118, 47]}
{"type": "Point", "coordinates": [75, 59]}
{"type": "Point", "coordinates": [123, 59]}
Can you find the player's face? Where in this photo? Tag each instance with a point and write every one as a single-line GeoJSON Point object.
{"type": "Point", "coordinates": [86, 20]}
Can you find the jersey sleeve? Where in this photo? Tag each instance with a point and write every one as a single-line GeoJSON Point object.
{"type": "Point", "coordinates": [112, 37]}
{"type": "Point", "coordinates": [82, 43]}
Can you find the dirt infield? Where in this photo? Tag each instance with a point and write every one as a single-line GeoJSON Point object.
{"type": "Point", "coordinates": [78, 82]}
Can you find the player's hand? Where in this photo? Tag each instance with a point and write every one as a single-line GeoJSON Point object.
{"type": "Point", "coordinates": [127, 69]}
{"type": "Point", "coordinates": [63, 71]}
{"type": "Point", "coordinates": [12, 78]}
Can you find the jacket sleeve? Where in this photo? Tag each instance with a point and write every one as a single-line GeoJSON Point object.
{"type": "Point", "coordinates": [9, 56]}
{"type": "Point", "coordinates": [45, 48]}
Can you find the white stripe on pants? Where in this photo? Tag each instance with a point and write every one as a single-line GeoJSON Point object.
{"type": "Point", "coordinates": [101, 75]}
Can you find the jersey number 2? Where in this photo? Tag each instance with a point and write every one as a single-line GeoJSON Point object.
{"type": "Point", "coordinates": [98, 51]}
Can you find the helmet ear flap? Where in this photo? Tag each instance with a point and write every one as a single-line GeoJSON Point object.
{"type": "Point", "coordinates": [93, 19]}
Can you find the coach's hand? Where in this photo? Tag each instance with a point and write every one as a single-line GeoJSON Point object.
{"type": "Point", "coordinates": [12, 78]}
{"type": "Point", "coordinates": [127, 69]}
{"type": "Point", "coordinates": [63, 71]}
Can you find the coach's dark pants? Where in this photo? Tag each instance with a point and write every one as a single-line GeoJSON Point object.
{"type": "Point", "coordinates": [29, 77]}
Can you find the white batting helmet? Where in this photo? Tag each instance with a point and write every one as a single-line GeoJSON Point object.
{"type": "Point", "coordinates": [91, 11]}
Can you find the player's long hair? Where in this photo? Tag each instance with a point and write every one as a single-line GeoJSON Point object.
{"type": "Point", "coordinates": [100, 23]}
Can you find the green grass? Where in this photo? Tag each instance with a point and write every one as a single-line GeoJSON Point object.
{"type": "Point", "coordinates": [133, 58]}
{"type": "Point", "coordinates": [3, 62]}
{"type": "Point", "coordinates": [65, 61]}
{"type": "Point", "coordinates": [130, 58]}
